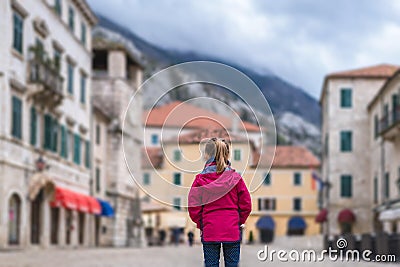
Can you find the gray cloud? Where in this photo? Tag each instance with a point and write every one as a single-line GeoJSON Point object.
{"type": "Point", "coordinates": [299, 40]}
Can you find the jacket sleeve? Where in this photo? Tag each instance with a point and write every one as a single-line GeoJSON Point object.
{"type": "Point", "coordinates": [194, 204]}
{"type": "Point", "coordinates": [244, 202]}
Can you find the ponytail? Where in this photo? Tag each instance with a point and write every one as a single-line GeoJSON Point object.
{"type": "Point", "coordinates": [221, 155]}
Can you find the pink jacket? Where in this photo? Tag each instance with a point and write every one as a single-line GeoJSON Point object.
{"type": "Point", "coordinates": [219, 204]}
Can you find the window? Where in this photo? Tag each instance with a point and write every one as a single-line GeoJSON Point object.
{"type": "Point", "coordinates": [64, 142]}
{"type": "Point", "coordinates": [70, 81]}
{"type": "Point", "coordinates": [395, 107]}
{"type": "Point", "coordinates": [87, 154]}
{"type": "Point", "coordinates": [266, 204]}
{"type": "Point", "coordinates": [154, 139]}
{"type": "Point", "coordinates": [71, 18]}
{"type": "Point", "coordinates": [297, 204]}
{"type": "Point", "coordinates": [237, 155]}
{"type": "Point", "coordinates": [177, 203]}
{"type": "Point", "coordinates": [146, 178]}
{"type": "Point", "coordinates": [98, 134]}
{"type": "Point", "coordinates": [50, 133]}
{"type": "Point", "coordinates": [346, 141]}
{"type": "Point", "coordinates": [33, 126]}
{"type": "Point", "coordinates": [77, 149]}
{"type": "Point", "coordinates": [18, 29]}
{"type": "Point", "coordinates": [177, 178]}
{"type": "Point", "coordinates": [387, 185]}
{"type": "Point", "coordinates": [346, 186]}
{"type": "Point", "coordinates": [83, 34]}
{"type": "Point", "coordinates": [375, 189]}
{"type": "Point", "coordinates": [58, 7]}
{"type": "Point", "coordinates": [376, 126]}
{"type": "Point", "coordinates": [97, 180]}
{"type": "Point", "coordinates": [297, 178]}
{"type": "Point", "coordinates": [177, 155]}
{"type": "Point", "coordinates": [267, 179]}
{"type": "Point", "coordinates": [83, 88]}
{"type": "Point", "coordinates": [326, 147]}
{"type": "Point", "coordinates": [16, 122]}
{"type": "Point", "coordinates": [345, 98]}
{"type": "Point", "coordinates": [57, 59]}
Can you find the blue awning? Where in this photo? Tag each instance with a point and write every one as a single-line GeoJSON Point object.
{"type": "Point", "coordinates": [297, 222]}
{"type": "Point", "coordinates": [266, 223]}
{"type": "Point", "coordinates": [106, 208]}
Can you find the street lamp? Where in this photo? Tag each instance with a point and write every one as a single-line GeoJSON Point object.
{"type": "Point", "coordinates": [41, 164]}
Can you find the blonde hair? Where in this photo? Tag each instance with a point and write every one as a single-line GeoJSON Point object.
{"type": "Point", "coordinates": [221, 154]}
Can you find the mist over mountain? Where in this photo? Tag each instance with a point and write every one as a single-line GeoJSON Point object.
{"type": "Point", "coordinates": [286, 100]}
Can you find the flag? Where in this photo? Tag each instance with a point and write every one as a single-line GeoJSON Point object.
{"type": "Point", "coordinates": [316, 180]}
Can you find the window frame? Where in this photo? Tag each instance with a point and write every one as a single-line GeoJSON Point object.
{"type": "Point", "coordinates": [343, 103]}
{"type": "Point", "coordinates": [235, 158]}
{"type": "Point", "coordinates": [18, 41]}
{"type": "Point", "coordinates": [343, 146]}
{"type": "Point", "coordinates": [300, 181]}
{"type": "Point", "coordinates": [16, 117]}
{"type": "Point", "coordinates": [348, 193]}
{"type": "Point", "coordinates": [180, 178]}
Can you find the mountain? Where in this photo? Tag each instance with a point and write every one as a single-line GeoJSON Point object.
{"type": "Point", "coordinates": [286, 100]}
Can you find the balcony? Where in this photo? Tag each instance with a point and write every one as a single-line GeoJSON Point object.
{"type": "Point", "coordinates": [44, 81]}
{"type": "Point", "coordinates": [389, 125]}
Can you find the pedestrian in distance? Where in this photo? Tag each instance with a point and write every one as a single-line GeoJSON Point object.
{"type": "Point", "coordinates": [190, 238]}
{"type": "Point", "coordinates": [219, 203]}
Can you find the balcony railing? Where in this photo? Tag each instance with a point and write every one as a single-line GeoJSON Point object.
{"type": "Point", "coordinates": [388, 121]}
{"type": "Point", "coordinates": [42, 73]}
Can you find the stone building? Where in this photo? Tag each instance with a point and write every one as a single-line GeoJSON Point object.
{"type": "Point", "coordinates": [384, 138]}
{"type": "Point", "coordinates": [45, 150]}
{"type": "Point", "coordinates": [117, 75]}
{"type": "Point", "coordinates": [350, 158]}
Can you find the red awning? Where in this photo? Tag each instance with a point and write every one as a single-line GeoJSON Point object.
{"type": "Point", "coordinates": [75, 201]}
{"type": "Point", "coordinates": [322, 216]}
{"type": "Point", "coordinates": [64, 198]}
{"type": "Point", "coordinates": [346, 216]}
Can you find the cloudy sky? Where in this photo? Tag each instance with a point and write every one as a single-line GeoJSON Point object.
{"type": "Point", "coordinates": [298, 40]}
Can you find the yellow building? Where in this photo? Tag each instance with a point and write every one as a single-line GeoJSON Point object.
{"type": "Point", "coordinates": [286, 202]}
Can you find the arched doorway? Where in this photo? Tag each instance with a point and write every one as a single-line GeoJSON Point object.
{"type": "Point", "coordinates": [14, 219]}
{"type": "Point", "coordinates": [36, 217]}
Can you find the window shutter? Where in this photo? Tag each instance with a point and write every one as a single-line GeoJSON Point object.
{"type": "Point", "coordinates": [33, 126]}
{"type": "Point", "coordinates": [16, 128]}
{"type": "Point", "coordinates": [87, 154]}
{"type": "Point", "coordinates": [54, 135]}
{"type": "Point", "coordinates": [77, 149]}
{"type": "Point", "coordinates": [259, 204]}
{"type": "Point", "coordinates": [47, 132]}
{"type": "Point", "coordinates": [64, 146]}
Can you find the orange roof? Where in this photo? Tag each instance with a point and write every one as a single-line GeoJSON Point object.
{"type": "Point", "coordinates": [152, 157]}
{"type": "Point", "coordinates": [197, 136]}
{"type": "Point", "coordinates": [180, 114]}
{"type": "Point", "coordinates": [376, 71]}
{"type": "Point", "coordinates": [286, 157]}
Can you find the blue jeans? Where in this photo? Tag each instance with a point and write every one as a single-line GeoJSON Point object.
{"type": "Point", "coordinates": [212, 253]}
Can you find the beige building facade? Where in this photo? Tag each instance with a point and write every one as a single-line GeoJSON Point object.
{"type": "Point", "coordinates": [349, 153]}
{"type": "Point", "coordinates": [45, 151]}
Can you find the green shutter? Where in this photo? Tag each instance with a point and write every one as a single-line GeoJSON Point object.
{"type": "Point", "coordinates": [16, 127]}
{"type": "Point", "coordinates": [346, 186]}
{"type": "Point", "coordinates": [83, 89]}
{"type": "Point", "coordinates": [177, 179]}
{"type": "Point", "coordinates": [33, 126]}
{"type": "Point", "coordinates": [18, 32]}
{"type": "Point", "coordinates": [83, 33]}
{"type": "Point", "coordinates": [64, 143]}
{"type": "Point", "coordinates": [177, 155]}
{"type": "Point", "coordinates": [70, 81]}
{"type": "Point", "coordinates": [267, 179]}
{"type": "Point", "coordinates": [87, 154]}
{"type": "Point", "coordinates": [346, 141]}
{"type": "Point", "coordinates": [297, 178]}
{"type": "Point", "coordinates": [77, 149]}
{"type": "Point", "coordinates": [54, 135]}
{"type": "Point", "coordinates": [346, 98]}
{"type": "Point", "coordinates": [48, 121]}
{"type": "Point", "coordinates": [387, 185]}
{"type": "Point", "coordinates": [57, 7]}
{"type": "Point", "coordinates": [71, 19]}
{"type": "Point", "coordinates": [97, 180]}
